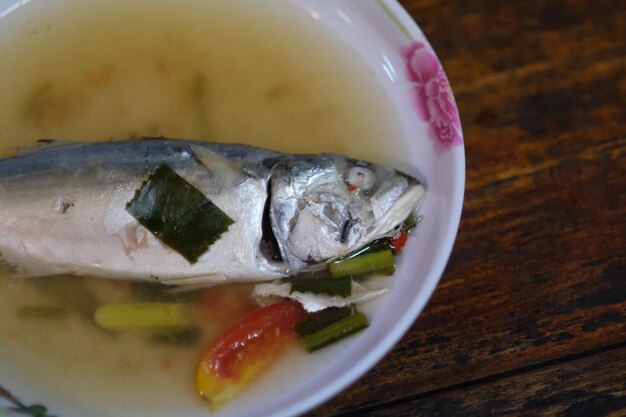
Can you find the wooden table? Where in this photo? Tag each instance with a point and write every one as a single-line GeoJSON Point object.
{"type": "Point", "coordinates": [530, 316]}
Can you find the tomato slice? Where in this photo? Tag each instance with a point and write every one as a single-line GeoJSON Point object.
{"type": "Point", "coordinates": [249, 347]}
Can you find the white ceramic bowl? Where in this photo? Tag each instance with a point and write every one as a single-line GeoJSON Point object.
{"type": "Point", "coordinates": [394, 47]}
{"type": "Point", "coordinates": [397, 50]}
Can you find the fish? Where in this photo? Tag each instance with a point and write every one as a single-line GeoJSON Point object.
{"type": "Point", "coordinates": [67, 208]}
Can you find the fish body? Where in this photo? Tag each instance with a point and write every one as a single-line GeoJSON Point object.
{"type": "Point", "coordinates": [64, 209]}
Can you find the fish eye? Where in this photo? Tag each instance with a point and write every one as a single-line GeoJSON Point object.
{"type": "Point", "coordinates": [361, 177]}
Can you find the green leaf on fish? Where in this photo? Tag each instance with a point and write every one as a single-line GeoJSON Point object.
{"type": "Point", "coordinates": [178, 213]}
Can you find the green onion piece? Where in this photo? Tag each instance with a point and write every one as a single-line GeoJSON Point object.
{"type": "Point", "coordinates": [36, 410]}
{"type": "Point", "coordinates": [331, 286]}
{"type": "Point", "coordinates": [410, 223]}
{"type": "Point", "coordinates": [41, 312]}
{"type": "Point", "coordinates": [178, 213]}
{"type": "Point", "coordinates": [151, 292]}
{"type": "Point", "coordinates": [156, 292]}
{"type": "Point", "coordinates": [379, 262]}
{"type": "Point", "coordinates": [80, 298]}
{"type": "Point", "coordinates": [144, 316]}
{"type": "Point", "coordinates": [335, 332]}
{"type": "Point", "coordinates": [377, 245]}
{"type": "Point", "coordinates": [322, 319]}
{"type": "Point", "coordinates": [179, 337]}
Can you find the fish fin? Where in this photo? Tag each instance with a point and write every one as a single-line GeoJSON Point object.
{"type": "Point", "coordinates": [44, 145]}
{"type": "Point", "coordinates": [182, 289]}
{"type": "Point", "coordinates": [197, 281]}
{"type": "Point", "coordinates": [227, 172]}
{"type": "Point", "coordinates": [16, 267]}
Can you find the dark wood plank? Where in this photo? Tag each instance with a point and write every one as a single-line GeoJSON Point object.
{"type": "Point", "coordinates": [538, 271]}
{"type": "Point", "coordinates": [587, 387]}
{"type": "Point", "coordinates": [488, 43]}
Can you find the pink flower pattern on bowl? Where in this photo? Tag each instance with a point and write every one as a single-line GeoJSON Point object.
{"type": "Point", "coordinates": [433, 96]}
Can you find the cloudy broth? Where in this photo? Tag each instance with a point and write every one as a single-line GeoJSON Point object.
{"type": "Point", "coordinates": [213, 70]}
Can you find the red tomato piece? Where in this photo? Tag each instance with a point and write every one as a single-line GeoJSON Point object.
{"type": "Point", "coordinates": [249, 347]}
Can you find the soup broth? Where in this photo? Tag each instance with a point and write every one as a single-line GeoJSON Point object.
{"type": "Point", "coordinates": [260, 73]}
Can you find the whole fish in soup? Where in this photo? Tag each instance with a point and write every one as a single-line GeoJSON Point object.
{"type": "Point", "coordinates": [189, 212]}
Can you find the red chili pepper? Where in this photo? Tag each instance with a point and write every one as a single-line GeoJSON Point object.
{"type": "Point", "coordinates": [398, 242]}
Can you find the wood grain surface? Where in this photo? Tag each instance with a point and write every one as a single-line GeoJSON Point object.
{"type": "Point", "coordinates": [530, 316]}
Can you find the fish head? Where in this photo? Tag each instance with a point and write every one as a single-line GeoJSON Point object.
{"type": "Point", "coordinates": [325, 206]}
